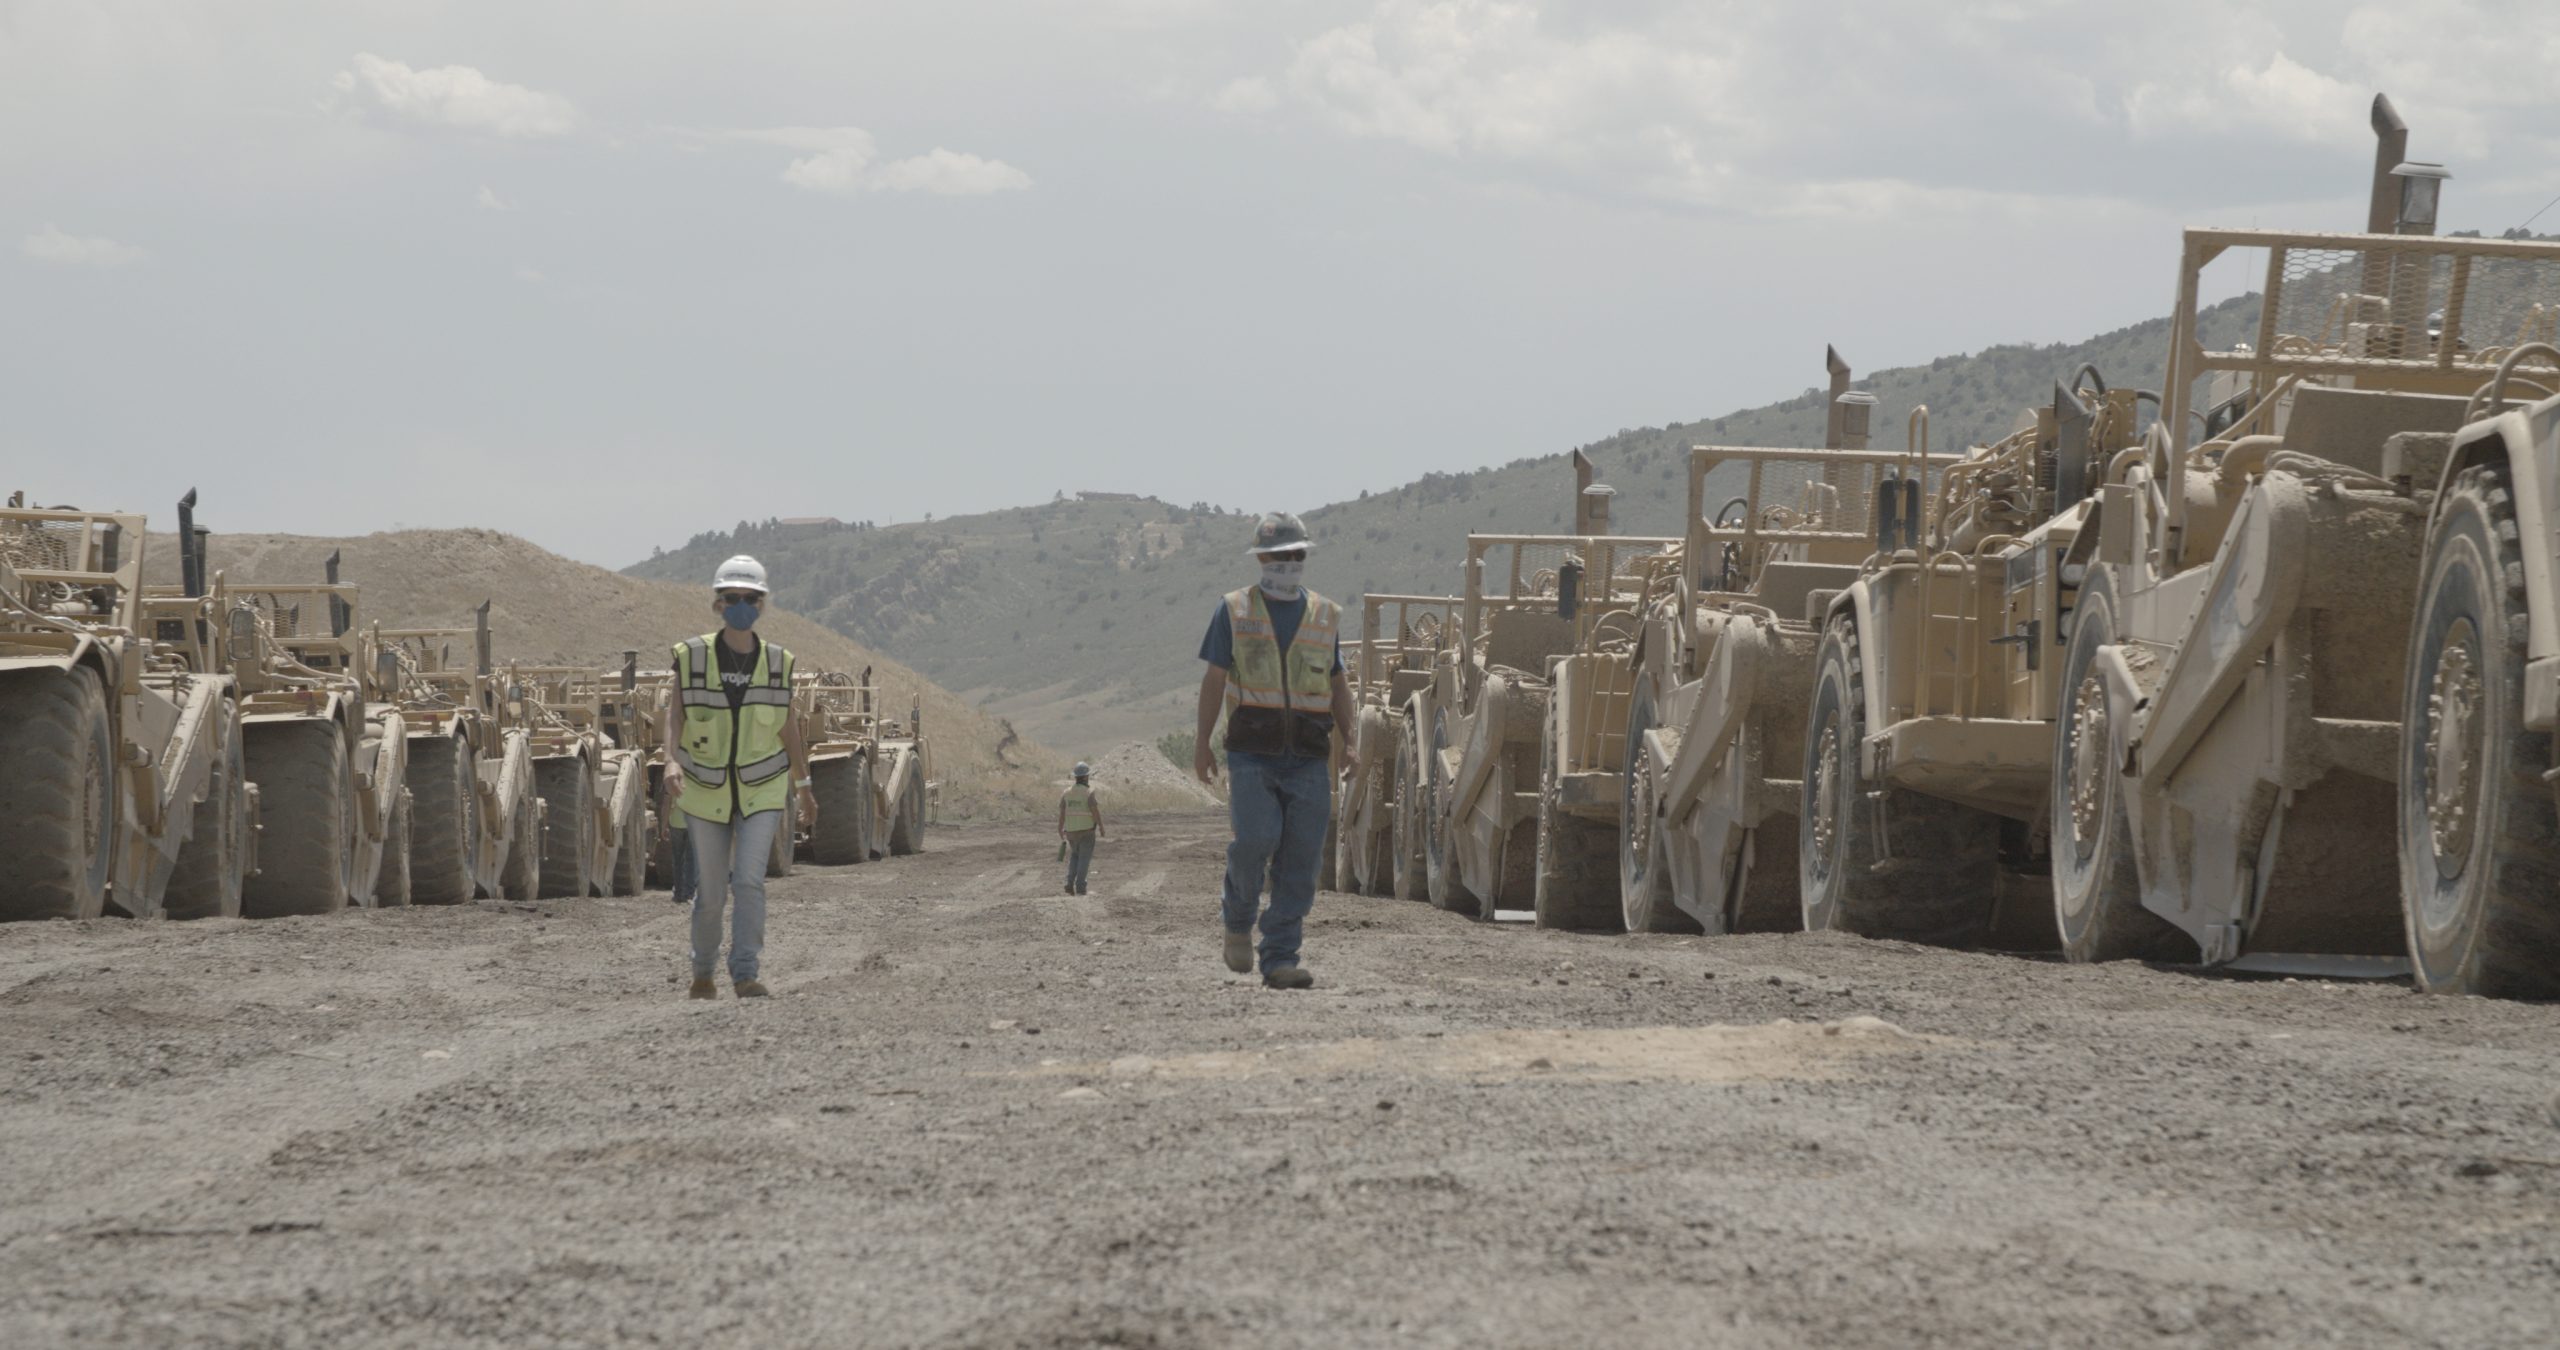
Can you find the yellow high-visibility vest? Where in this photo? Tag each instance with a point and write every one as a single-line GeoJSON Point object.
{"type": "Point", "coordinates": [1079, 808]}
{"type": "Point", "coordinates": [734, 760]}
{"type": "Point", "coordinates": [1280, 702]}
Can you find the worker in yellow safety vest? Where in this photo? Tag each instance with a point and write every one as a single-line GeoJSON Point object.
{"type": "Point", "coordinates": [738, 748]}
{"type": "Point", "coordinates": [1079, 824]}
{"type": "Point", "coordinates": [1274, 663]}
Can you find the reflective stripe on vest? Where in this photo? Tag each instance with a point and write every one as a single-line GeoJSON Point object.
{"type": "Point", "coordinates": [1261, 675]}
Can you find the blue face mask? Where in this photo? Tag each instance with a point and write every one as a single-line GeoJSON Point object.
{"type": "Point", "coordinates": [741, 616]}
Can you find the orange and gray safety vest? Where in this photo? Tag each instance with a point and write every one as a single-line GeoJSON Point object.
{"type": "Point", "coordinates": [734, 760]}
{"type": "Point", "coordinates": [1280, 703]}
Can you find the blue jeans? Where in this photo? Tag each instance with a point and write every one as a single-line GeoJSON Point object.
{"type": "Point", "coordinates": [680, 861]}
{"type": "Point", "coordinates": [1079, 858]}
{"type": "Point", "coordinates": [729, 859]}
{"type": "Point", "coordinates": [1279, 807]}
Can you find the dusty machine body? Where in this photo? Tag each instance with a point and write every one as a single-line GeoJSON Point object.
{"type": "Point", "coordinates": [475, 820]}
{"type": "Point", "coordinates": [2479, 825]}
{"type": "Point", "coordinates": [330, 762]}
{"type": "Point", "coordinates": [1723, 673]}
{"type": "Point", "coordinates": [1378, 852]}
{"type": "Point", "coordinates": [595, 793]}
{"type": "Point", "coordinates": [1481, 724]}
{"type": "Point", "coordinates": [2228, 762]}
{"type": "Point", "coordinates": [840, 727]}
{"type": "Point", "coordinates": [125, 788]}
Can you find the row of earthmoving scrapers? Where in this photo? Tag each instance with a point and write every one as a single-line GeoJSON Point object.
{"type": "Point", "coordinates": [2260, 671]}
{"type": "Point", "coordinates": [236, 748]}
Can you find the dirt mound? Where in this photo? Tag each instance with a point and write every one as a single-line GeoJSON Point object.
{"type": "Point", "coordinates": [1139, 776]}
{"type": "Point", "coordinates": [545, 609]}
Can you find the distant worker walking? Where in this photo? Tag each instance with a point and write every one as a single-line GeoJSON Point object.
{"type": "Point", "coordinates": [1079, 824]}
{"type": "Point", "coordinates": [733, 737]}
{"type": "Point", "coordinates": [1274, 661]}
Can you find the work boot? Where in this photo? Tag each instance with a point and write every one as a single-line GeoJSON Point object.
{"type": "Point", "coordinates": [703, 988]}
{"type": "Point", "coordinates": [1288, 977]}
{"type": "Point", "coordinates": [749, 989]}
{"type": "Point", "coordinates": [1240, 952]}
{"type": "Point", "coordinates": [1071, 890]}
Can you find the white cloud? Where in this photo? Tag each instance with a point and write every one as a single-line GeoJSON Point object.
{"type": "Point", "coordinates": [529, 275]}
{"type": "Point", "coordinates": [1252, 94]}
{"type": "Point", "coordinates": [458, 97]}
{"type": "Point", "coordinates": [950, 174]}
{"type": "Point", "coordinates": [2283, 98]}
{"type": "Point", "coordinates": [56, 248]}
{"type": "Point", "coordinates": [839, 163]}
{"type": "Point", "coordinates": [489, 200]}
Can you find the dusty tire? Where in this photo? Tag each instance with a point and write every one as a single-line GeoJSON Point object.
{"type": "Point", "coordinates": [1440, 859]}
{"type": "Point", "coordinates": [206, 882]}
{"type": "Point", "coordinates": [843, 806]}
{"type": "Point", "coordinates": [444, 820]}
{"type": "Point", "coordinates": [307, 855]}
{"type": "Point", "coordinates": [1576, 866]}
{"type": "Point", "coordinates": [1938, 885]}
{"type": "Point", "coordinates": [906, 826]}
{"type": "Point", "coordinates": [630, 872]}
{"type": "Point", "coordinates": [1408, 877]}
{"type": "Point", "coordinates": [1644, 863]}
{"type": "Point", "coordinates": [568, 843]}
{"type": "Point", "coordinates": [392, 886]}
{"type": "Point", "coordinates": [2097, 893]}
{"type": "Point", "coordinates": [2479, 842]}
{"type": "Point", "coordinates": [58, 796]}
{"type": "Point", "coordinates": [520, 877]}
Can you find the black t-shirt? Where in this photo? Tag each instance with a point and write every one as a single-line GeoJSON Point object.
{"type": "Point", "coordinates": [737, 670]}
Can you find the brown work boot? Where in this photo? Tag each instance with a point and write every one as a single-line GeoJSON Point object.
{"type": "Point", "coordinates": [1288, 977]}
{"type": "Point", "coordinates": [1240, 952]}
{"type": "Point", "coordinates": [749, 989]}
{"type": "Point", "coordinates": [703, 988]}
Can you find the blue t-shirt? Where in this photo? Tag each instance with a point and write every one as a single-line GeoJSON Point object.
{"type": "Point", "coordinates": [1219, 647]}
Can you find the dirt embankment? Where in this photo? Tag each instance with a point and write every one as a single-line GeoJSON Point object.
{"type": "Point", "coordinates": [978, 1113]}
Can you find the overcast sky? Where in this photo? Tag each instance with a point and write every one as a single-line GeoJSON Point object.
{"type": "Point", "coordinates": [605, 273]}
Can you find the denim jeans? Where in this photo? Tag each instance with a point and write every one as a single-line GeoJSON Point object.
{"type": "Point", "coordinates": [680, 861]}
{"type": "Point", "coordinates": [1279, 807]}
{"type": "Point", "coordinates": [1079, 858]}
{"type": "Point", "coordinates": [729, 858]}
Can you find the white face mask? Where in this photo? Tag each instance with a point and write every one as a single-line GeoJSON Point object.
{"type": "Point", "coordinates": [1280, 577]}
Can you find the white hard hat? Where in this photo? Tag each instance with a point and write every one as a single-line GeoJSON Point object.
{"type": "Point", "coordinates": [740, 573]}
{"type": "Point", "coordinates": [1083, 770]}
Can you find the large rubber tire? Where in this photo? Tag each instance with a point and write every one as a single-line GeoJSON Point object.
{"type": "Point", "coordinates": [444, 820]}
{"type": "Point", "coordinates": [2479, 842]}
{"type": "Point", "coordinates": [391, 887]}
{"type": "Point", "coordinates": [307, 854]}
{"type": "Point", "coordinates": [630, 873]}
{"type": "Point", "coordinates": [906, 827]}
{"type": "Point", "coordinates": [58, 798]}
{"type": "Point", "coordinates": [2097, 891]}
{"type": "Point", "coordinates": [1644, 858]}
{"type": "Point", "coordinates": [1930, 879]}
{"type": "Point", "coordinates": [520, 877]}
{"type": "Point", "coordinates": [568, 836]}
{"type": "Point", "coordinates": [1576, 881]}
{"type": "Point", "coordinates": [1440, 857]}
{"type": "Point", "coordinates": [844, 806]}
{"type": "Point", "coordinates": [1408, 877]}
{"type": "Point", "coordinates": [206, 882]}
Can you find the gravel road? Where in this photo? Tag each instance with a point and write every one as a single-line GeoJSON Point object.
{"type": "Point", "coordinates": [978, 1112]}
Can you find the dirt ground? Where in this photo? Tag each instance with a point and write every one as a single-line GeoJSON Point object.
{"type": "Point", "coordinates": [978, 1112]}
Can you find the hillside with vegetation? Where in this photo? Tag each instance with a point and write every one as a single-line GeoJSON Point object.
{"type": "Point", "coordinates": [1080, 620]}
